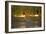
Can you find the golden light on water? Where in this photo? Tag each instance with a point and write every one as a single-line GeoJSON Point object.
{"type": "Point", "coordinates": [34, 15]}
{"type": "Point", "coordinates": [25, 15]}
{"type": "Point", "coordinates": [20, 16]}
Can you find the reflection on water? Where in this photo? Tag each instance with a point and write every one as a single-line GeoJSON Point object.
{"type": "Point", "coordinates": [26, 21]}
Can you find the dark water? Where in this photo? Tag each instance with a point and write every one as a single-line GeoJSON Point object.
{"type": "Point", "coordinates": [25, 22]}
